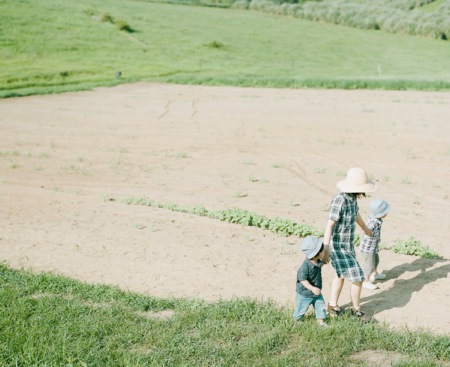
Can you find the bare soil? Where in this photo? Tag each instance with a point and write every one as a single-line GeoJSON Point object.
{"type": "Point", "coordinates": [274, 152]}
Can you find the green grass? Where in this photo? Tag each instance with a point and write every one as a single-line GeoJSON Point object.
{"type": "Point", "coordinates": [48, 320]}
{"type": "Point", "coordinates": [49, 46]}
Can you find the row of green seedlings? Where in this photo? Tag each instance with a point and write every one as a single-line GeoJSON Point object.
{"type": "Point", "coordinates": [280, 226]}
{"type": "Point", "coordinates": [121, 24]}
{"type": "Point", "coordinates": [355, 14]}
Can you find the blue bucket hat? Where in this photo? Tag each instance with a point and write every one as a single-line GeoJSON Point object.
{"type": "Point", "coordinates": [311, 246]}
{"type": "Point", "coordinates": [378, 208]}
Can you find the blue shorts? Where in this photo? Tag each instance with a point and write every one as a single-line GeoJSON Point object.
{"type": "Point", "coordinates": [302, 304]}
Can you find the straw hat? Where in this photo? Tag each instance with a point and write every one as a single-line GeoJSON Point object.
{"type": "Point", "coordinates": [356, 182]}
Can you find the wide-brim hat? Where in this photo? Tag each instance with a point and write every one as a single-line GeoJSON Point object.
{"type": "Point", "coordinates": [356, 182]}
{"type": "Point", "coordinates": [311, 246]}
{"type": "Point", "coordinates": [379, 208]}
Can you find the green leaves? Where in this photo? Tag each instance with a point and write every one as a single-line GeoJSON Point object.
{"type": "Point", "coordinates": [283, 227]}
{"type": "Point", "coordinates": [413, 246]}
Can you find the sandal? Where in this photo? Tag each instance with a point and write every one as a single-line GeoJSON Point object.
{"type": "Point", "coordinates": [361, 315]}
{"type": "Point", "coordinates": [334, 311]}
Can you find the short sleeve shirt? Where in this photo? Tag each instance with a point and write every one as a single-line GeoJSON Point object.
{"type": "Point", "coordinates": [313, 274]}
{"type": "Point", "coordinates": [369, 244]}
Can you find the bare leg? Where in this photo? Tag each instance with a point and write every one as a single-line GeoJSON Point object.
{"type": "Point", "coordinates": [336, 288]}
{"type": "Point", "coordinates": [355, 294]}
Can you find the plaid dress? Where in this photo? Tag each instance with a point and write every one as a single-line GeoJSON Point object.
{"type": "Point", "coordinates": [343, 210]}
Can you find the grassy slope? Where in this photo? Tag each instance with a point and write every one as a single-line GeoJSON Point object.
{"type": "Point", "coordinates": [53, 45]}
{"type": "Point", "coordinates": [47, 320]}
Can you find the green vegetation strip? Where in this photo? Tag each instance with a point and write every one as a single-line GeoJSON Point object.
{"type": "Point", "coordinates": [49, 320]}
{"type": "Point", "coordinates": [280, 226]}
{"type": "Point", "coordinates": [283, 227]}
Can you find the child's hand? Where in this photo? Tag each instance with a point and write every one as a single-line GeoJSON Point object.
{"type": "Point", "coordinates": [316, 291]}
{"type": "Point", "coordinates": [368, 232]}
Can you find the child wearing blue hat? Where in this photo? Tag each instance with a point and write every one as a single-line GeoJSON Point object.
{"type": "Point", "coordinates": [369, 244]}
{"type": "Point", "coordinates": [309, 281]}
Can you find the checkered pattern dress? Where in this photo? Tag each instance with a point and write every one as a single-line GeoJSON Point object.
{"type": "Point", "coordinates": [343, 210]}
{"type": "Point", "coordinates": [369, 244]}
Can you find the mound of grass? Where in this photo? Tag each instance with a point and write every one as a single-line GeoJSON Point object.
{"type": "Point", "coordinates": [48, 320]}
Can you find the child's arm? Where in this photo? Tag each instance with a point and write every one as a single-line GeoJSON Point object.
{"type": "Point", "coordinates": [363, 226]}
{"type": "Point", "coordinates": [308, 285]}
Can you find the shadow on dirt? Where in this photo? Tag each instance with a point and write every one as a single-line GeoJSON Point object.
{"type": "Point", "coordinates": [400, 293]}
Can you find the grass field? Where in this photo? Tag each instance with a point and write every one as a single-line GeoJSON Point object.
{"type": "Point", "coordinates": [51, 46]}
{"type": "Point", "coordinates": [48, 320]}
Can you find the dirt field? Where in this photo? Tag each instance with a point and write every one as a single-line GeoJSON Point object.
{"type": "Point", "coordinates": [273, 152]}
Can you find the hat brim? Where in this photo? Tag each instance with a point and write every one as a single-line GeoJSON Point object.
{"type": "Point", "coordinates": [344, 186]}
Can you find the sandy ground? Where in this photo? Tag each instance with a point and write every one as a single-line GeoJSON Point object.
{"type": "Point", "coordinates": [274, 152]}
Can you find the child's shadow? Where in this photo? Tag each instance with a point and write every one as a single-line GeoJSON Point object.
{"type": "Point", "coordinates": [400, 293]}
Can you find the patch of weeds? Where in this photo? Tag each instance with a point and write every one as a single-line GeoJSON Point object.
{"type": "Point", "coordinates": [253, 179]}
{"type": "Point", "coordinates": [139, 226]}
{"type": "Point", "coordinates": [405, 181]}
{"type": "Point", "coordinates": [413, 246]}
{"type": "Point", "coordinates": [320, 170]}
{"type": "Point", "coordinates": [10, 153]}
{"type": "Point", "coordinates": [124, 26]}
{"type": "Point", "coordinates": [241, 195]}
{"type": "Point", "coordinates": [182, 155]}
{"type": "Point", "coordinates": [385, 178]}
{"type": "Point", "coordinates": [249, 163]}
{"type": "Point", "coordinates": [216, 45]}
{"type": "Point", "coordinates": [412, 155]}
{"type": "Point", "coordinates": [277, 165]}
{"type": "Point", "coordinates": [90, 12]}
{"type": "Point", "coordinates": [341, 173]}
{"type": "Point", "coordinates": [416, 201]}
{"type": "Point", "coordinates": [107, 18]}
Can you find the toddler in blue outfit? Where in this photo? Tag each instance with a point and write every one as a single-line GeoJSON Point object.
{"type": "Point", "coordinates": [309, 281]}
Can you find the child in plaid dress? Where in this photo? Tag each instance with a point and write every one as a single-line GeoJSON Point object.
{"type": "Point", "coordinates": [369, 244]}
{"type": "Point", "coordinates": [339, 239]}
